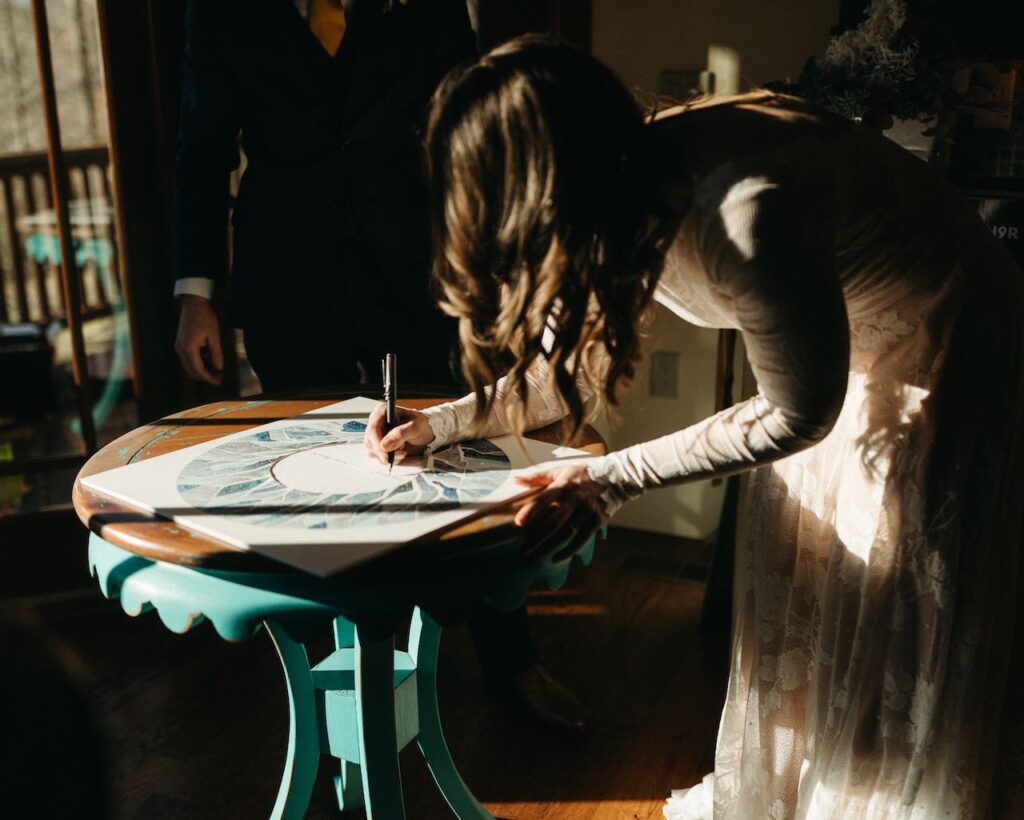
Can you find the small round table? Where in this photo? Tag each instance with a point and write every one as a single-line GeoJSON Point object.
{"type": "Point", "coordinates": [366, 700]}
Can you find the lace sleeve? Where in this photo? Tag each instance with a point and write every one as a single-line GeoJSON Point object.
{"type": "Point", "coordinates": [452, 420]}
{"type": "Point", "coordinates": [768, 251]}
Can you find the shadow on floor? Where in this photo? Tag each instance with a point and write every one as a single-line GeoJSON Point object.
{"type": "Point", "coordinates": [197, 727]}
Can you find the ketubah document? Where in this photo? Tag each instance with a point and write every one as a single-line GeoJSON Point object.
{"type": "Point", "coordinates": [305, 492]}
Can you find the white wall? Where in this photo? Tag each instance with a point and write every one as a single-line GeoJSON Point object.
{"type": "Point", "coordinates": [772, 37]}
{"type": "Point", "coordinates": [690, 510]}
{"type": "Point", "coordinates": [770, 40]}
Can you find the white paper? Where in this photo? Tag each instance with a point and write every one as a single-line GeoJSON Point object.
{"type": "Point", "coordinates": [305, 492]}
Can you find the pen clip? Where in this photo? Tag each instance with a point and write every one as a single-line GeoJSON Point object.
{"type": "Point", "coordinates": [390, 390]}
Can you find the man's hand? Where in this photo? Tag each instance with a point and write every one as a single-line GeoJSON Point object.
{"type": "Point", "coordinates": [198, 341]}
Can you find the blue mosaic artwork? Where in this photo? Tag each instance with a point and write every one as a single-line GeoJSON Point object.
{"type": "Point", "coordinates": [316, 474]}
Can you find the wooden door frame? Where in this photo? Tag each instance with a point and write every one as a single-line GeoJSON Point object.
{"type": "Point", "coordinates": [142, 43]}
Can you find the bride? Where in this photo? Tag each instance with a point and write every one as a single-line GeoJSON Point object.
{"type": "Point", "coordinates": [876, 622]}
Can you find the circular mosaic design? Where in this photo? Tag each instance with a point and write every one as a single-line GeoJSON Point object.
{"type": "Point", "coordinates": [317, 475]}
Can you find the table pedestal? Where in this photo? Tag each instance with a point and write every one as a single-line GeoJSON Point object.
{"type": "Point", "coordinates": [362, 704]}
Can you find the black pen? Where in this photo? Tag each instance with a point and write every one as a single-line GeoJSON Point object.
{"type": "Point", "coordinates": [390, 365]}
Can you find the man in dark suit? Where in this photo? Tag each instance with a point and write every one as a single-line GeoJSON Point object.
{"type": "Point", "coordinates": [330, 224]}
{"type": "Point", "coordinates": [331, 241]}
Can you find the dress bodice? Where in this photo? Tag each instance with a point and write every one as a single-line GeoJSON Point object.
{"type": "Point", "coordinates": [896, 226]}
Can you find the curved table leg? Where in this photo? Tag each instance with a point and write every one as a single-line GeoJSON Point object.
{"type": "Point", "coordinates": [378, 740]}
{"type": "Point", "coordinates": [303, 738]}
{"type": "Point", "coordinates": [424, 642]}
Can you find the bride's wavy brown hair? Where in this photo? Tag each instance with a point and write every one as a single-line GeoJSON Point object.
{"type": "Point", "coordinates": [548, 237]}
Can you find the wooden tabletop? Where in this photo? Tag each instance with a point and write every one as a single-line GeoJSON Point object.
{"type": "Point", "coordinates": [150, 536]}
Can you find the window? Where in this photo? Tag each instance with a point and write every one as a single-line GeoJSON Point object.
{"type": "Point", "coordinates": [66, 365]}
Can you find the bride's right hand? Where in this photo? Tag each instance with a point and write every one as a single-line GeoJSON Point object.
{"type": "Point", "coordinates": [410, 437]}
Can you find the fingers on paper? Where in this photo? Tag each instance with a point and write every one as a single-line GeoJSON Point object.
{"type": "Point", "coordinates": [547, 509]}
{"type": "Point", "coordinates": [526, 512]}
{"type": "Point", "coordinates": [547, 527]}
{"type": "Point", "coordinates": [538, 479]}
{"type": "Point", "coordinates": [374, 433]}
{"type": "Point", "coordinates": [562, 517]}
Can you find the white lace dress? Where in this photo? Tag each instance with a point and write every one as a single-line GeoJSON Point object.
{"type": "Point", "coordinates": [876, 620]}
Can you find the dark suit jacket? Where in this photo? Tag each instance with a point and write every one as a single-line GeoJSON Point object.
{"type": "Point", "coordinates": [331, 224]}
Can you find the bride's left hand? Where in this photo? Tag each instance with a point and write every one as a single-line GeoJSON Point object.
{"type": "Point", "coordinates": [565, 513]}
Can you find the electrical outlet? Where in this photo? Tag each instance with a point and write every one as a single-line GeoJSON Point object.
{"type": "Point", "coordinates": [665, 374]}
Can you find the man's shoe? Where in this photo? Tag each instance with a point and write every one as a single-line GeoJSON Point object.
{"type": "Point", "coordinates": [548, 701]}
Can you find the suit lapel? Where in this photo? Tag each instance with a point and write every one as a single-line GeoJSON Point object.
{"type": "Point", "coordinates": [371, 52]}
{"type": "Point", "coordinates": [343, 93]}
{"type": "Point", "coordinates": [361, 18]}
{"type": "Point", "coordinates": [295, 28]}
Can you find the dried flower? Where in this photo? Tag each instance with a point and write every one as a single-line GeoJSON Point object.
{"type": "Point", "coordinates": [876, 71]}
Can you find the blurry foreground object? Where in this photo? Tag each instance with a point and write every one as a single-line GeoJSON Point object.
{"type": "Point", "coordinates": [52, 757]}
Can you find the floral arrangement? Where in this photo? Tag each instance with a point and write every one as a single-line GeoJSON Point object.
{"type": "Point", "coordinates": [880, 70]}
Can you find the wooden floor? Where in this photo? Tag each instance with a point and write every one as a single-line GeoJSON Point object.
{"type": "Point", "coordinates": [197, 727]}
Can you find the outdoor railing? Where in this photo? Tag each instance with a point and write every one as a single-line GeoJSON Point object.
{"type": "Point", "coordinates": [30, 249]}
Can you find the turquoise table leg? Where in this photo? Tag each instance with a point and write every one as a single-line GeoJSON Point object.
{"type": "Point", "coordinates": [349, 786]}
{"type": "Point", "coordinates": [378, 739]}
{"type": "Point", "coordinates": [303, 738]}
{"type": "Point", "coordinates": [424, 642]}
{"type": "Point", "coordinates": [349, 783]}
{"type": "Point", "coordinates": [344, 633]}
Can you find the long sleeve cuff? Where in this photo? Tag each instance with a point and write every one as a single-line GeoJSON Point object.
{"type": "Point", "coordinates": [194, 286]}
{"type": "Point", "coordinates": [445, 420]}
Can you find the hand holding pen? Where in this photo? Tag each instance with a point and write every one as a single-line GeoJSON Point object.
{"type": "Point", "coordinates": [409, 438]}
{"type": "Point", "coordinates": [393, 432]}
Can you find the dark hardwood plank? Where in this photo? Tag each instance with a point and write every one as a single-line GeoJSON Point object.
{"type": "Point", "coordinates": [197, 726]}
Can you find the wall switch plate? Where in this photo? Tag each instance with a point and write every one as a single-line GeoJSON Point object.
{"type": "Point", "coordinates": [665, 374]}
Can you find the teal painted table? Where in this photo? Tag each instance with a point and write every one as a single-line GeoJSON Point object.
{"type": "Point", "coordinates": [365, 700]}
